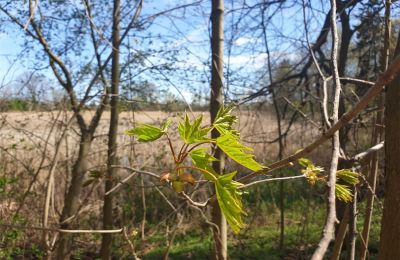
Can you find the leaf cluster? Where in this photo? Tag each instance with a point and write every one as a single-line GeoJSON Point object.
{"type": "Point", "coordinates": [194, 136]}
{"type": "Point", "coordinates": [347, 177]}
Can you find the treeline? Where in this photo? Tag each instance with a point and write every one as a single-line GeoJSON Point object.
{"type": "Point", "coordinates": [15, 104]}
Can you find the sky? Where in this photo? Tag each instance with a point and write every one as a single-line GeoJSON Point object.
{"type": "Point", "coordinates": [186, 36]}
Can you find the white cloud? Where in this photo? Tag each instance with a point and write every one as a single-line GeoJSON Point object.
{"type": "Point", "coordinates": [243, 41]}
{"type": "Point", "coordinates": [256, 61]}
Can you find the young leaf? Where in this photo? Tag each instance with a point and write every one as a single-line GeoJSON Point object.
{"type": "Point", "coordinates": [177, 186]}
{"type": "Point", "coordinates": [347, 176]}
{"type": "Point", "coordinates": [193, 132]}
{"type": "Point", "coordinates": [304, 162]}
{"type": "Point", "coordinates": [148, 133]}
{"type": "Point", "coordinates": [224, 121]}
{"type": "Point", "coordinates": [229, 200]}
{"type": "Point", "coordinates": [203, 160]}
{"type": "Point", "coordinates": [311, 172]}
{"type": "Point", "coordinates": [230, 145]}
{"type": "Point", "coordinates": [343, 193]}
{"type": "Point", "coordinates": [187, 177]}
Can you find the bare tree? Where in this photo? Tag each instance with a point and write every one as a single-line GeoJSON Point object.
{"type": "Point", "coordinates": [216, 101]}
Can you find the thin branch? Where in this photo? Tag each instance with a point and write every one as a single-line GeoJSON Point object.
{"type": "Point", "coordinates": [151, 174]}
{"type": "Point", "coordinates": [194, 203]}
{"type": "Point", "coordinates": [328, 233]}
{"type": "Point", "coordinates": [369, 151]}
{"type": "Point", "coordinates": [131, 246]}
{"type": "Point", "coordinates": [271, 179]}
{"type": "Point", "coordinates": [59, 230]}
{"type": "Point", "coordinates": [383, 80]}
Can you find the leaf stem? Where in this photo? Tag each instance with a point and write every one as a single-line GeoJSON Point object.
{"type": "Point", "coordinates": [197, 169]}
{"type": "Point", "coordinates": [171, 148]}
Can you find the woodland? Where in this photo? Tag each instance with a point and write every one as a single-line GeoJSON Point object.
{"type": "Point", "coordinates": [208, 129]}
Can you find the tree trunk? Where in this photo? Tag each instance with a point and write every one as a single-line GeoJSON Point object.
{"type": "Point", "coordinates": [106, 243]}
{"type": "Point", "coordinates": [216, 101]}
{"type": "Point", "coordinates": [71, 202]}
{"type": "Point", "coordinates": [390, 228]}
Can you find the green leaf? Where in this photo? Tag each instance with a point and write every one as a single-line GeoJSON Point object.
{"type": "Point", "coordinates": [311, 172]}
{"type": "Point", "coordinates": [305, 162]}
{"type": "Point", "coordinates": [203, 160]}
{"type": "Point", "coordinates": [224, 121]}
{"type": "Point", "coordinates": [178, 186]}
{"type": "Point", "coordinates": [343, 193]}
{"type": "Point", "coordinates": [347, 176]}
{"type": "Point", "coordinates": [229, 200]}
{"type": "Point", "coordinates": [148, 133]}
{"type": "Point", "coordinates": [230, 145]}
{"type": "Point", "coordinates": [193, 132]}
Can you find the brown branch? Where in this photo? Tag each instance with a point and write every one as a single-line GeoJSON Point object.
{"type": "Point", "coordinates": [383, 80]}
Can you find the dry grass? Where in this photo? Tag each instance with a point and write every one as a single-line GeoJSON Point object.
{"type": "Point", "coordinates": [27, 137]}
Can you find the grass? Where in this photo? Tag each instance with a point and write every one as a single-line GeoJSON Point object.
{"type": "Point", "coordinates": [257, 241]}
{"type": "Point", "coordinates": [304, 219]}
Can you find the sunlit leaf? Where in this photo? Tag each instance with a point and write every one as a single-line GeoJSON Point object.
{"type": "Point", "coordinates": [147, 133]}
{"type": "Point", "coordinates": [203, 160]}
{"type": "Point", "coordinates": [343, 193]}
{"type": "Point", "coordinates": [311, 172]}
{"type": "Point", "coordinates": [193, 132]}
{"type": "Point", "coordinates": [229, 200]}
{"type": "Point", "coordinates": [304, 162]}
{"type": "Point", "coordinates": [230, 145]}
{"type": "Point", "coordinates": [224, 121]}
{"type": "Point", "coordinates": [347, 176]}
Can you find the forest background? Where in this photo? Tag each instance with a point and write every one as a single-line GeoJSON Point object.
{"type": "Point", "coordinates": [75, 75]}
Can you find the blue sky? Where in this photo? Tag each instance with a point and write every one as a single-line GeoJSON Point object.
{"type": "Point", "coordinates": [188, 33]}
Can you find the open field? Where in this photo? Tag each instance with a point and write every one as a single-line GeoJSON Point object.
{"type": "Point", "coordinates": [29, 140]}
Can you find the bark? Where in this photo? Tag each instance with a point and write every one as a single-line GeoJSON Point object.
{"type": "Point", "coordinates": [376, 138]}
{"type": "Point", "coordinates": [390, 228]}
{"type": "Point", "coordinates": [71, 202]}
{"type": "Point", "coordinates": [106, 242]}
{"type": "Point", "coordinates": [329, 228]}
{"type": "Point", "coordinates": [216, 101]}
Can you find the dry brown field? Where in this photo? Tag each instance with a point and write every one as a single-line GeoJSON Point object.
{"type": "Point", "coordinates": [28, 141]}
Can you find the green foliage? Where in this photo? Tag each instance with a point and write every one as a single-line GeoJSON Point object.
{"type": "Point", "coordinates": [229, 199]}
{"type": "Point", "coordinates": [225, 120]}
{"type": "Point", "coordinates": [311, 172]}
{"type": "Point", "coordinates": [342, 191]}
{"type": "Point", "coordinates": [230, 145]}
{"type": "Point", "coordinates": [347, 176]}
{"type": "Point", "coordinates": [18, 105]}
{"type": "Point", "coordinates": [148, 133]}
{"type": "Point", "coordinates": [203, 160]}
{"type": "Point", "coordinates": [194, 134]}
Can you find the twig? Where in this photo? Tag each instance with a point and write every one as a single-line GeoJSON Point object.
{"type": "Point", "coordinates": [301, 112]}
{"type": "Point", "coordinates": [272, 179]}
{"type": "Point", "coordinates": [131, 246]}
{"type": "Point", "coordinates": [194, 203]}
{"type": "Point", "coordinates": [383, 80]}
{"type": "Point", "coordinates": [121, 183]}
{"type": "Point", "coordinates": [151, 174]}
{"type": "Point", "coordinates": [59, 230]}
{"type": "Point", "coordinates": [165, 198]}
